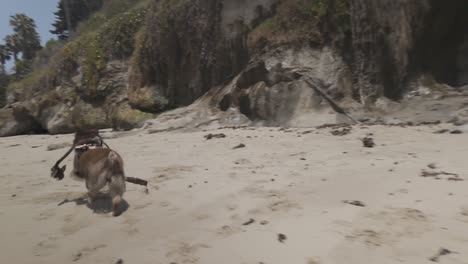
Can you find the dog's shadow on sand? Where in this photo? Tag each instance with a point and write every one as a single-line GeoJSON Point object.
{"type": "Point", "coordinates": [102, 204]}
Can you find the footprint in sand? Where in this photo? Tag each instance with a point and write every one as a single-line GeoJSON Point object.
{"type": "Point", "coordinates": [73, 223]}
{"type": "Point", "coordinates": [313, 261]}
{"type": "Point", "coordinates": [175, 169]}
{"type": "Point", "coordinates": [232, 175]}
{"type": "Point", "coordinates": [131, 225]}
{"type": "Point", "coordinates": [185, 253]}
{"type": "Point", "coordinates": [389, 226]}
{"type": "Point", "coordinates": [141, 206]}
{"type": "Point", "coordinates": [283, 205]}
{"type": "Point", "coordinates": [463, 215]}
{"type": "Point", "coordinates": [168, 206]}
{"type": "Point", "coordinates": [86, 252]}
{"type": "Point", "coordinates": [277, 200]}
{"type": "Point", "coordinates": [160, 178]}
{"type": "Point", "coordinates": [46, 247]}
{"type": "Point", "coordinates": [232, 207]}
{"type": "Point", "coordinates": [201, 216]}
{"type": "Point", "coordinates": [280, 202]}
{"type": "Point", "coordinates": [227, 230]}
{"type": "Point", "coordinates": [45, 215]}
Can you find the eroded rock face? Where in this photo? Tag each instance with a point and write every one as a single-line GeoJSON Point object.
{"type": "Point", "coordinates": [384, 35]}
{"type": "Point", "coordinates": [190, 48]}
{"type": "Point", "coordinates": [394, 41]}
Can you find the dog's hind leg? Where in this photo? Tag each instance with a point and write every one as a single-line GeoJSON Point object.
{"type": "Point", "coordinates": [94, 186]}
{"type": "Point", "coordinates": [117, 189]}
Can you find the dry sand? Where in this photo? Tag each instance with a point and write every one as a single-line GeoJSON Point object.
{"type": "Point", "coordinates": [203, 195]}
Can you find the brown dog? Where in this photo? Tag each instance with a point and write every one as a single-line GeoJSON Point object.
{"type": "Point", "coordinates": [98, 166]}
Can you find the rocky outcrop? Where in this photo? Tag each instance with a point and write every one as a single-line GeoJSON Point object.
{"type": "Point", "coordinates": [460, 117]}
{"type": "Point", "coordinates": [70, 106]}
{"type": "Point", "coordinates": [247, 62]}
{"type": "Point", "coordinates": [275, 96]}
{"type": "Point", "coordinates": [16, 123]}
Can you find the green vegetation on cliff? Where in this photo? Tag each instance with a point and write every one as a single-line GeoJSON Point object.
{"type": "Point", "coordinates": [107, 35]}
{"type": "Point", "coordinates": [303, 21]}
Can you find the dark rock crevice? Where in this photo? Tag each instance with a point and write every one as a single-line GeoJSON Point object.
{"type": "Point", "coordinates": [443, 42]}
{"type": "Point", "coordinates": [394, 41]}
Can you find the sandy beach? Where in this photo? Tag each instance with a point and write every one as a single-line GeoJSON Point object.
{"type": "Point", "coordinates": [288, 196]}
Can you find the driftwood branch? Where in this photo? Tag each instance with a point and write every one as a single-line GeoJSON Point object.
{"type": "Point", "coordinates": [136, 181]}
{"type": "Point", "coordinates": [332, 103]}
{"type": "Point", "coordinates": [317, 88]}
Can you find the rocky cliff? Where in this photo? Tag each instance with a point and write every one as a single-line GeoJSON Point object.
{"type": "Point", "coordinates": [239, 62]}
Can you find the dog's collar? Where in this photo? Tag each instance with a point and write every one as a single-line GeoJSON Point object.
{"type": "Point", "coordinates": [85, 147]}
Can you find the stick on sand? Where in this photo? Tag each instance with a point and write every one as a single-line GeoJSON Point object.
{"type": "Point", "coordinates": [136, 181]}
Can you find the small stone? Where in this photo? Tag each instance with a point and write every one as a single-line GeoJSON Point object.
{"type": "Point", "coordinates": [368, 142]}
{"type": "Point", "coordinates": [239, 146]}
{"type": "Point", "coordinates": [249, 222]}
{"type": "Point", "coordinates": [282, 238]}
{"type": "Point", "coordinates": [355, 203]}
{"type": "Point", "coordinates": [210, 136]}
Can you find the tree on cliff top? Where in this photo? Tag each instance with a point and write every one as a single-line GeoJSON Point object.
{"type": "Point", "coordinates": [12, 45]}
{"type": "Point", "coordinates": [70, 13]}
{"type": "Point", "coordinates": [4, 57]}
{"type": "Point", "coordinates": [25, 38]}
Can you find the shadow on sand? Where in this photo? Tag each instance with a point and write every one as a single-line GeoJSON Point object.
{"type": "Point", "coordinates": [101, 205]}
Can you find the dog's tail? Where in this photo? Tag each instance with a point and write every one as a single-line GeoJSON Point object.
{"type": "Point", "coordinates": [115, 163]}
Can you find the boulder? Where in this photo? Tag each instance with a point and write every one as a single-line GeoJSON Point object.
{"type": "Point", "coordinates": [57, 119]}
{"type": "Point", "coordinates": [460, 117]}
{"type": "Point", "coordinates": [15, 123]}
{"type": "Point", "coordinates": [86, 115]}
{"type": "Point", "coordinates": [124, 117]}
{"type": "Point", "coordinates": [148, 98]}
